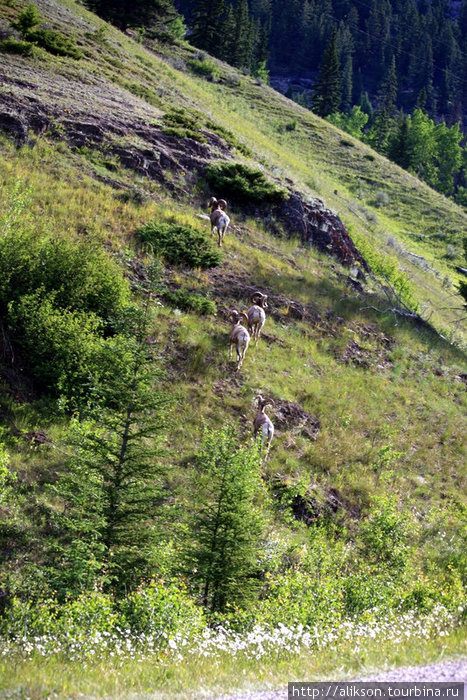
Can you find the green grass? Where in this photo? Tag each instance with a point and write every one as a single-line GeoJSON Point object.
{"type": "Point", "coordinates": [393, 420]}
{"type": "Point", "coordinates": [40, 678]}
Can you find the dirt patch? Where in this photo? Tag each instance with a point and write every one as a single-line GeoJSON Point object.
{"type": "Point", "coordinates": [38, 437]}
{"type": "Point", "coordinates": [234, 288]}
{"type": "Point", "coordinates": [370, 348]}
{"type": "Point", "coordinates": [291, 416]}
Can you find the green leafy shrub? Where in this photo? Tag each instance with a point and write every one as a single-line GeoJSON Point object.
{"type": "Point", "coordinates": [383, 537]}
{"type": "Point", "coordinates": [16, 46]}
{"type": "Point", "coordinates": [57, 300]}
{"type": "Point", "coordinates": [81, 275]}
{"type": "Point", "coordinates": [184, 134]}
{"type": "Point", "coordinates": [60, 344]}
{"type": "Point", "coordinates": [27, 19]}
{"type": "Point", "coordinates": [205, 68]}
{"type": "Point", "coordinates": [180, 245]}
{"type": "Point", "coordinates": [186, 301]}
{"type": "Point", "coordinates": [243, 183]}
{"type": "Point", "coordinates": [144, 93]}
{"type": "Point", "coordinates": [179, 118]}
{"type": "Point", "coordinates": [54, 42]}
{"type": "Point", "coordinates": [160, 609]}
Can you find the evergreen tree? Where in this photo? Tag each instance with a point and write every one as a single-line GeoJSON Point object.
{"type": "Point", "coordinates": [384, 121]}
{"type": "Point", "coordinates": [327, 91]}
{"type": "Point", "coordinates": [151, 14]}
{"type": "Point", "coordinates": [113, 481]}
{"type": "Point", "coordinates": [398, 150]}
{"type": "Point", "coordinates": [366, 105]}
{"type": "Point", "coordinates": [208, 16]}
{"type": "Point", "coordinates": [222, 557]}
{"type": "Point", "coordinates": [227, 38]}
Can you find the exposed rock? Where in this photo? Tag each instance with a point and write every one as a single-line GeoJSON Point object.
{"type": "Point", "coordinates": [319, 227]}
{"type": "Point", "coordinates": [13, 125]}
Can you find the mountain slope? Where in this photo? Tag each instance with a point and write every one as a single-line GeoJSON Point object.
{"type": "Point", "coordinates": [369, 404]}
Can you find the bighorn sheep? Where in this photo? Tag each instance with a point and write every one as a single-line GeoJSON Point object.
{"type": "Point", "coordinates": [256, 314]}
{"type": "Point", "coordinates": [219, 219]}
{"type": "Point", "coordinates": [263, 423]}
{"type": "Point", "coordinates": [239, 336]}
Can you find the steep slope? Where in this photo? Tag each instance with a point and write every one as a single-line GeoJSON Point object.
{"type": "Point", "coordinates": [100, 120]}
{"type": "Point", "coordinates": [369, 398]}
{"type": "Point", "coordinates": [368, 404]}
{"type": "Point", "coordinates": [114, 98]}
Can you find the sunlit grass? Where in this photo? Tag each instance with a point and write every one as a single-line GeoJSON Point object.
{"type": "Point", "coordinates": [205, 677]}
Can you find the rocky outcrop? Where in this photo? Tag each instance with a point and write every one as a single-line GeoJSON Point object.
{"type": "Point", "coordinates": [113, 125]}
{"type": "Point", "coordinates": [319, 227]}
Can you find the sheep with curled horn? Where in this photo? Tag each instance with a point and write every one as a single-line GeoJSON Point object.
{"type": "Point", "coordinates": [239, 336]}
{"type": "Point", "coordinates": [256, 314]}
{"type": "Point", "coordinates": [219, 219]}
{"type": "Point", "coordinates": [262, 423]}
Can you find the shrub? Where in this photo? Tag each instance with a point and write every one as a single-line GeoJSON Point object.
{"type": "Point", "coordinates": [160, 609]}
{"type": "Point", "coordinates": [60, 344]}
{"type": "Point", "coordinates": [81, 275]}
{"type": "Point", "coordinates": [16, 46]}
{"type": "Point", "coordinates": [181, 119]}
{"type": "Point", "coordinates": [381, 199]}
{"type": "Point", "coordinates": [185, 301]}
{"type": "Point", "coordinates": [180, 245]}
{"type": "Point", "coordinates": [54, 42]}
{"type": "Point", "coordinates": [184, 134]}
{"type": "Point", "coordinates": [205, 68]}
{"type": "Point", "coordinates": [243, 183]}
{"type": "Point", "coordinates": [27, 19]}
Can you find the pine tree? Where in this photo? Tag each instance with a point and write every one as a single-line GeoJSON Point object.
{"type": "Point", "coordinates": [385, 114]}
{"type": "Point", "coordinates": [113, 481]}
{"type": "Point", "coordinates": [208, 16]}
{"type": "Point", "coordinates": [398, 150]}
{"type": "Point", "coordinates": [227, 45]}
{"type": "Point", "coordinates": [327, 91]}
{"type": "Point", "coordinates": [226, 531]}
{"type": "Point", "coordinates": [150, 14]}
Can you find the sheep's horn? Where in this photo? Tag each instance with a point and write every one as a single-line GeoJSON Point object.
{"type": "Point", "coordinates": [244, 315]}
{"type": "Point", "coordinates": [212, 202]}
{"type": "Point", "coordinates": [254, 296]}
{"type": "Point", "coordinates": [222, 203]}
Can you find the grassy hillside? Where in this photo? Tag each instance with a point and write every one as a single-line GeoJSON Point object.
{"type": "Point", "coordinates": [369, 405]}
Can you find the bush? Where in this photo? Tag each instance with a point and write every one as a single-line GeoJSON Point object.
{"type": "Point", "coordinates": [60, 344]}
{"type": "Point", "coordinates": [205, 68]}
{"type": "Point", "coordinates": [381, 199]}
{"type": "Point", "coordinates": [54, 42]}
{"type": "Point", "coordinates": [180, 245]}
{"type": "Point", "coordinates": [185, 301]}
{"type": "Point", "coordinates": [243, 183]}
{"type": "Point", "coordinates": [184, 134]}
{"type": "Point", "coordinates": [80, 275]}
{"type": "Point", "coordinates": [27, 19]}
{"type": "Point", "coordinates": [155, 609]}
{"type": "Point", "coordinates": [16, 46]}
{"type": "Point", "coordinates": [179, 118]}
